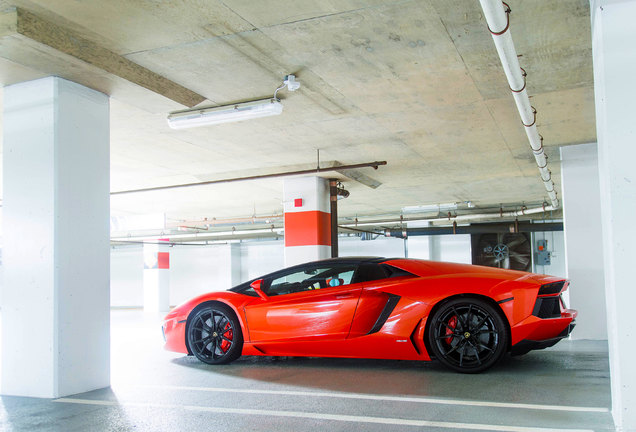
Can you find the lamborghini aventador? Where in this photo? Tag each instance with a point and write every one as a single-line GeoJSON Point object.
{"type": "Point", "coordinates": [467, 317]}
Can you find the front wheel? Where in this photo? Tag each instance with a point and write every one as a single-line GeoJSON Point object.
{"type": "Point", "coordinates": [467, 335]}
{"type": "Point", "coordinates": [214, 335]}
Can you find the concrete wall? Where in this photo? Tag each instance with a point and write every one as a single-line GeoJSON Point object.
{"type": "Point", "coordinates": [381, 246]}
{"type": "Point", "coordinates": [557, 266]}
{"type": "Point", "coordinates": [556, 245]}
{"type": "Point", "coordinates": [418, 247]}
{"type": "Point", "coordinates": [127, 276]}
{"type": "Point", "coordinates": [258, 258]}
{"type": "Point", "coordinates": [196, 270]}
{"type": "Point", "coordinates": [455, 248]}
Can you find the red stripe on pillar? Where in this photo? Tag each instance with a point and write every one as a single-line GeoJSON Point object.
{"type": "Point", "coordinates": [163, 260]}
{"type": "Point", "coordinates": [307, 228]}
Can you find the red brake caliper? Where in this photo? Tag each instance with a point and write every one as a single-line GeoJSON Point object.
{"type": "Point", "coordinates": [452, 324]}
{"type": "Point", "coordinates": [227, 332]}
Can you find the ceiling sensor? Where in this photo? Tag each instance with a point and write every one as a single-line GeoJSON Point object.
{"type": "Point", "coordinates": [211, 115]}
{"type": "Point", "coordinates": [292, 84]}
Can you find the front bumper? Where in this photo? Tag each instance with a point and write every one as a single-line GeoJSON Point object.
{"type": "Point", "coordinates": [174, 335]}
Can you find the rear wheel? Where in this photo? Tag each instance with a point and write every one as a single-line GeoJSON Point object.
{"type": "Point", "coordinates": [214, 335]}
{"type": "Point", "coordinates": [468, 335]}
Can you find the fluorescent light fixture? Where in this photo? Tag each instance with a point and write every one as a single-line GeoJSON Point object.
{"type": "Point", "coordinates": [199, 235]}
{"type": "Point", "coordinates": [224, 114]}
{"type": "Point", "coordinates": [429, 208]}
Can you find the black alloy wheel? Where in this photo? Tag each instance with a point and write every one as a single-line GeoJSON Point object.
{"type": "Point", "coordinates": [468, 335]}
{"type": "Point", "coordinates": [214, 334]}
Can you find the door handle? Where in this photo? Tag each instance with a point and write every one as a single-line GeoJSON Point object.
{"type": "Point", "coordinates": [343, 296]}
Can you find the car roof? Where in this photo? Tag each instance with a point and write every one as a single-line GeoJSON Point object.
{"type": "Point", "coordinates": [327, 262]}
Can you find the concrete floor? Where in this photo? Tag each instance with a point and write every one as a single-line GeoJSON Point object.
{"type": "Point", "coordinates": [563, 388]}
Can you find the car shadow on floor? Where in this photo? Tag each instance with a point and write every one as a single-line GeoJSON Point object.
{"type": "Point", "coordinates": [513, 378]}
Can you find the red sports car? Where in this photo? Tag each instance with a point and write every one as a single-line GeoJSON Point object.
{"type": "Point", "coordinates": [465, 316]}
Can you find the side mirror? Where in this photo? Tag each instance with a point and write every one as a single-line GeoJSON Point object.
{"type": "Point", "coordinates": [256, 285]}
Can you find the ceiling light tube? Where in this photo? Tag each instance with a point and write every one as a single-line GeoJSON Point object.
{"type": "Point", "coordinates": [429, 208]}
{"type": "Point", "coordinates": [224, 114]}
{"type": "Point", "coordinates": [199, 235]}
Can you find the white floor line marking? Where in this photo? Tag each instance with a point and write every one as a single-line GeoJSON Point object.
{"type": "Point", "coordinates": [386, 398]}
{"type": "Point", "coordinates": [321, 416]}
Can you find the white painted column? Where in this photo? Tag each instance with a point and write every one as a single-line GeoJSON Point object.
{"type": "Point", "coordinates": [156, 278]}
{"type": "Point", "coordinates": [614, 56]}
{"type": "Point", "coordinates": [307, 219]}
{"type": "Point", "coordinates": [435, 248]}
{"type": "Point", "coordinates": [55, 298]}
{"type": "Point", "coordinates": [584, 239]}
{"type": "Point", "coordinates": [419, 247]}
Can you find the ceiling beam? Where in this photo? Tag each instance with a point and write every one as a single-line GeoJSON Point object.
{"type": "Point", "coordinates": [32, 31]}
{"type": "Point", "coordinates": [229, 23]}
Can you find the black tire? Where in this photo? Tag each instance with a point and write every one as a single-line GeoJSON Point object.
{"type": "Point", "coordinates": [467, 335]}
{"type": "Point", "coordinates": [214, 334]}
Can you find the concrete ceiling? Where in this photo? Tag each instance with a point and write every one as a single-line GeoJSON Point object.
{"type": "Point", "coordinates": [416, 83]}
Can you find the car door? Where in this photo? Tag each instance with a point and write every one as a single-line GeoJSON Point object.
{"type": "Point", "coordinates": [378, 298]}
{"type": "Point", "coordinates": [316, 303]}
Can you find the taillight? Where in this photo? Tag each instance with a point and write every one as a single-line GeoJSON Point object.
{"type": "Point", "coordinates": [547, 307]}
{"type": "Point", "coordinates": [552, 288]}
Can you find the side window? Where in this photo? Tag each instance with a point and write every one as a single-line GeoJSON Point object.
{"type": "Point", "coordinates": [370, 272]}
{"type": "Point", "coordinates": [341, 278]}
{"type": "Point", "coordinates": [311, 279]}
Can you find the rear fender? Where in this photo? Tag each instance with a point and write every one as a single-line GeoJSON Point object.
{"type": "Point", "coordinates": [433, 289]}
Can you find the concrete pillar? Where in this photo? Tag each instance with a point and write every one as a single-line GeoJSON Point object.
{"type": "Point", "coordinates": [418, 247]}
{"type": "Point", "coordinates": [55, 297]}
{"type": "Point", "coordinates": [614, 56]}
{"type": "Point", "coordinates": [307, 219]}
{"type": "Point", "coordinates": [584, 239]}
{"type": "Point", "coordinates": [156, 278]}
{"type": "Point", "coordinates": [435, 248]}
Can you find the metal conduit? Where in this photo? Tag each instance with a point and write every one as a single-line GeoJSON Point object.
{"type": "Point", "coordinates": [318, 169]}
{"type": "Point", "coordinates": [457, 218]}
{"type": "Point", "coordinates": [475, 229]}
{"type": "Point", "coordinates": [206, 223]}
{"type": "Point", "coordinates": [399, 233]}
{"type": "Point", "coordinates": [497, 16]}
{"type": "Point", "coordinates": [333, 203]}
